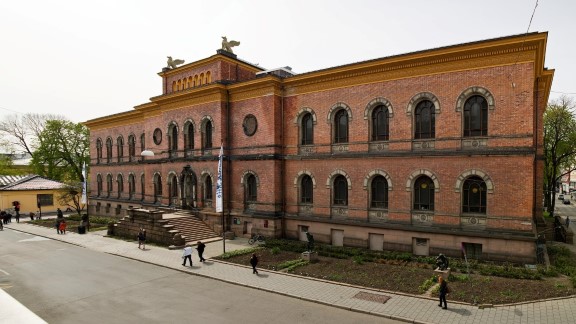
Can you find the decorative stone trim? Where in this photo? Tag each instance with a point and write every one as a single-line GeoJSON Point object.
{"type": "Point", "coordinates": [474, 91]}
{"type": "Point", "coordinates": [474, 172]}
{"type": "Point", "coordinates": [378, 215]}
{"type": "Point", "coordinates": [420, 97]}
{"type": "Point", "coordinates": [374, 173]}
{"type": "Point", "coordinates": [474, 143]}
{"type": "Point", "coordinates": [340, 148]}
{"type": "Point", "coordinates": [305, 210]}
{"type": "Point", "coordinates": [340, 212]}
{"type": "Point", "coordinates": [420, 172]}
{"type": "Point", "coordinates": [418, 145]}
{"type": "Point", "coordinates": [307, 150]}
{"type": "Point", "coordinates": [478, 221]}
{"type": "Point", "coordinates": [299, 177]}
{"type": "Point", "coordinates": [302, 112]}
{"type": "Point", "coordinates": [378, 147]}
{"type": "Point", "coordinates": [245, 173]}
{"type": "Point", "coordinates": [334, 174]}
{"type": "Point", "coordinates": [335, 108]}
{"type": "Point", "coordinates": [376, 102]}
{"type": "Point", "coordinates": [422, 218]}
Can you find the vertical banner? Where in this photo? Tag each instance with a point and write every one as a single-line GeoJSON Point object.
{"type": "Point", "coordinates": [219, 194]}
{"type": "Point", "coordinates": [83, 201]}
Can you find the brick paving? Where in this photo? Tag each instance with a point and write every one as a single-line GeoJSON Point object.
{"type": "Point", "coordinates": [413, 309]}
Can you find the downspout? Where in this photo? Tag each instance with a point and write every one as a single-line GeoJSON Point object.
{"type": "Point", "coordinates": [227, 154]}
{"type": "Point", "coordinates": [282, 166]}
{"type": "Point", "coordinates": [534, 195]}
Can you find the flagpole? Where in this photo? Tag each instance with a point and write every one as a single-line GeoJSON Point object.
{"type": "Point", "coordinates": [219, 196]}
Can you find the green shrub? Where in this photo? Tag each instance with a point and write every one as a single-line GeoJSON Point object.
{"type": "Point", "coordinates": [231, 254]}
{"type": "Point", "coordinates": [292, 264]}
{"type": "Point", "coordinates": [427, 284]}
{"type": "Point", "coordinates": [275, 250]}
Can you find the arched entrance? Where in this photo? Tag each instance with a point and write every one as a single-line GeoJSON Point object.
{"type": "Point", "coordinates": [189, 188]}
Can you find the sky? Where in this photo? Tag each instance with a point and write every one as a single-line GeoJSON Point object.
{"type": "Point", "coordinates": [90, 59]}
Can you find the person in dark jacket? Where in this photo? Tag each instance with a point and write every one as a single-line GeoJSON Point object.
{"type": "Point", "coordinates": [201, 246]}
{"type": "Point", "coordinates": [254, 263]}
{"type": "Point", "coordinates": [142, 239]}
{"type": "Point", "coordinates": [443, 291]}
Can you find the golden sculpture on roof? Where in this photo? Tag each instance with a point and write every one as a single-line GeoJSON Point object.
{"type": "Point", "coordinates": [227, 45]}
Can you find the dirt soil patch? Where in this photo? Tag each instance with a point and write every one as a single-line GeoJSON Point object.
{"type": "Point", "coordinates": [407, 277]}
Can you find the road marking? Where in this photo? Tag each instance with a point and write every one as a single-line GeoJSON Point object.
{"type": "Point", "coordinates": [4, 272]}
{"type": "Point", "coordinates": [35, 239]}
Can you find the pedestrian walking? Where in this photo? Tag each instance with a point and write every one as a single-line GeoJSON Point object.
{"type": "Point", "coordinates": [254, 263]}
{"type": "Point", "coordinates": [62, 227]}
{"type": "Point", "coordinates": [567, 221]}
{"type": "Point", "coordinates": [187, 255]}
{"type": "Point", "coordinates": [59, 213]}
{"type": "Point", "coordinates": [17, 210]}
{"type": "Point", "coordinates": [200, 247]}
{"type": "Point", "coordinates": [57, 225]}
{"type": "Point", "coordinates": [142, 239]}
{"type": "Point", "coordinates": [443, 291]}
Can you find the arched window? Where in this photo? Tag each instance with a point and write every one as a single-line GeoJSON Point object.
{"type": "Point", "coordinates": [306, 190]}
{"type": "Point", "coordinates": [474, 196]}
{"type": "Point", "coordinates": [208, 188]}
{"type": "Point", "coordinates": [131, 186]}
{"type": "Point", "coordinates": [108, 185]}
{"type": "Point", "coordinates": [379, 192]}
{"type": "Point", "coordinates": [341, 127]}
{"type": "Point", "coordinates": [340, 192]}
{"type": "Point", "coordinates": [142, 142]}
{"type": "Point", "coordinates": [142, 187]}
{"type": "Point", "coordinates": [119, 149]}
{"type": "Point", "coordinates": [423, 194]}
{"type": "Point", "coordinates": [173, 192]}
{"type": "Point", "coordinates": [131, 148]}
{"type": "Point", "coordinates": [173, 138]}
{"type": "Point", "coordinates": [251, 192]}
{"type": "Point", "coordinates": [108, 150]}
{"type": "Point", "coordinates": [307, 130]}
{"type": "Point", "coordinates": [174, 86]}
{"type": "Point", "coordinates": [425, 120]}
{"type": "Point", "coordinates": [189, 136]}
{"type": "Point", "coordinates": [380, 123]}
{"type": "Point", "coordinates": [98, 151]}
{"type": "Point", "coordinates": [476, 116]}
{"type": "Point", "coordinates": [120, 180]}
{"type": "Point", "coordinates": [208, 135]}
{"type": "Point", "coordinates": [157, 188]}
{"type": "Point", "coordinates": [99, 185]}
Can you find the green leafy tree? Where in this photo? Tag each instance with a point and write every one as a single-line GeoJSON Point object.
{"type": "Point", "coordinates": [63, 149]}
{"type": "Point", "coordinates": [6, 166]}
{"type": "Point", "coordinates": [559, 146]}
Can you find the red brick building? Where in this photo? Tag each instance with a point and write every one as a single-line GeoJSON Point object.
{"type": "Point", "coordinates": [428, 152]}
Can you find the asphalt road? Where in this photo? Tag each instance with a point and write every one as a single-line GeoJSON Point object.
{"type": "Point", "coordinates": [63, 283]}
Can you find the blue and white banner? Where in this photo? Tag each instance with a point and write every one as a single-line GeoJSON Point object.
{"type": "Point", "coordinates": [83, 201]}
{"type": "Point", "coordinates": [219, 194]}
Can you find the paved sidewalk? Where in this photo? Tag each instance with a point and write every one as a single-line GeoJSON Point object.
{"type": "Point", "coordinates": [401, 307]}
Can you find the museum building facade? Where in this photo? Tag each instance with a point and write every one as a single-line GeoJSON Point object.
{"type": "Point", "coordinates": [437, 151]}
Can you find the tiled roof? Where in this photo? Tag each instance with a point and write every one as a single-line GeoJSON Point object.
{"type": "Point", "coordinates": [8, 179]}
{"type": "Point", "coordinates": [34, 182]}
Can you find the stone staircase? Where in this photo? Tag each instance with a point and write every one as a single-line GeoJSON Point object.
{"type": "Point", "coordinates": [191, 228]}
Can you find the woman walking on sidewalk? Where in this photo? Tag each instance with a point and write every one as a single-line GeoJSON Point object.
{"type": "Point", "coordinates": [443, 291]}
{"type": "Point", "coordinates": [142, 239]}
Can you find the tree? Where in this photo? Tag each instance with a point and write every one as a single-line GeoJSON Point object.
{"type": "Point", "coordinates": [559, 146]}
{"type": "Point", "coordinates": [24, 132]}
{"type": "Point", "coordinates": [62, 152]}
{"type": "Point", "coordinates": [71, 196]}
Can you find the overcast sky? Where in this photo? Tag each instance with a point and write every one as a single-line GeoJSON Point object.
{"type": "Point", "coordinates": [89, 59]}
